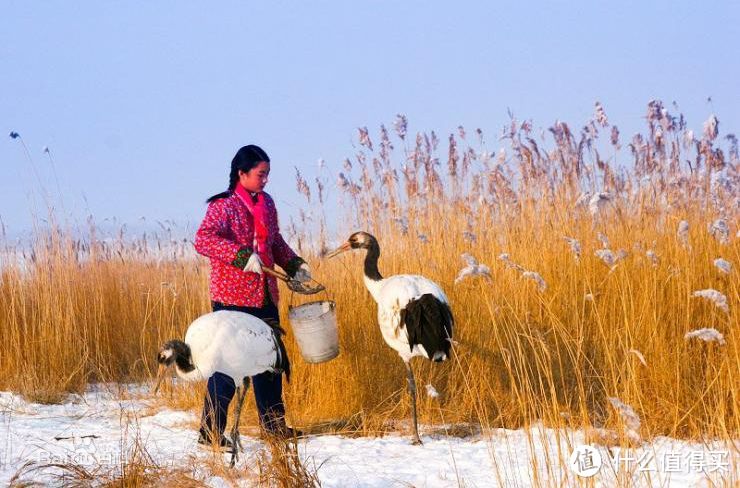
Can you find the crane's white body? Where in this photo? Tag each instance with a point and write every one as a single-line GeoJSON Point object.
{"type": "Point", "coordinates": [405, 302]}
{"type": "Point", "coordinates": [392, 294]}
{"type": "Point", "coordinates": [233, 343]}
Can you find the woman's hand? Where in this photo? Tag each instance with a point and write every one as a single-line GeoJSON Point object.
{"type": "Point", "coordinates": [254, 264]}
{"type": "Point", "coordinates": [303, 273]}
{"type": "Point", "coordinates": [248, 260]}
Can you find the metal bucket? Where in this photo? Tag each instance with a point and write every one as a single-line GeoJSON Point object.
{"type": "Point", "coordinates": [314, 325]}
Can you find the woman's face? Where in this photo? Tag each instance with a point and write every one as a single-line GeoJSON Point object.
{"type": "Point", "coordinates": [256, 178]}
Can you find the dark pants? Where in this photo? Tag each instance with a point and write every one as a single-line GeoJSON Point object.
{"type": "Point", "coordinates": [268, 388]}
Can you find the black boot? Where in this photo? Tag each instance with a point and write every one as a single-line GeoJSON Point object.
{"type": "Point", "coordinates": [224, 443]}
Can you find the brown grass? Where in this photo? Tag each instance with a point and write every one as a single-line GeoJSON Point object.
{"type": "Point", "coordinates": [279, 465]}
{"type": "Point", "coordinates": [84, 310]}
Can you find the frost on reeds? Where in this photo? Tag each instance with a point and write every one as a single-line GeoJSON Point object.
{"type": "Point", "coordinates": [583, 199]}
{"type": "Point", "coordinates": [365, 138]}
{"type": "Point", "coordinates": [472, 268]}
{"type": "Point", "coordinates": [537, 278]}
{"type": "Point", "coordinates": [510, 264]}
{"type": "Point", "coordinates": [720, 230]}
{"type": "Point", "coordinates": [715, 297]}
{"type": "Point", "coordinates": [598, 202]}
{"type": "Point", "coordinates": [342, 182]}
{"type": "Point", "coordinates": [600, 115]}
{"type": "Point", "coordinates": [401, 125]}
{"type": "Point", "coordinates": [169, 286]}
{"type": "Point", "coordinates": [706, 334]}
{"type": "Point", "coordinates": [403, 224]}
{"type": "Point", "coordinates": [575, 246]}
{"type": "Point", "coordinates": [723, 265]}
{"type": "Point", "coordinates": [603, 240]}
{"type": "Point", "coordinates": [302, 185]}
{"type": "Point", "coordinates": [530, 275]}
{"type": "Point", "coordinates": [614, 137]}
{"type": "Point", "coordinates": [711, 128]}
{"type": "Point", "coordinates": [607, 256]}
{"type": "Point", "coordinates": [423, 238]}
{"type": "Point", "coordinates": [432, 391]}
{"type": "Point", "coordinates": [630, 419]}
{"type": "Point", "coordinates": [469, 236]}
{"type": "Point", "coordinates": [347, 186]}
{"type": "Point", "coordinates": [654, 260]}
{"type": "Point", "coordinates": [683, 233]}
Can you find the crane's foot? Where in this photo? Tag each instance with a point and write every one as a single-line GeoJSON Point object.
{"type": "Point", "coordinates": [235, 447]}
{"type": "Point", "coordinates": [239, 442]}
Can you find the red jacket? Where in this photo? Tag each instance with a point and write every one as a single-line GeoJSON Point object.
{"type": "Point", "coordinates": [227, 227]}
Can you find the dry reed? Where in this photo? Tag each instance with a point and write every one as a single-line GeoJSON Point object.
{"type": "Point", "coordinates": [75, 310]}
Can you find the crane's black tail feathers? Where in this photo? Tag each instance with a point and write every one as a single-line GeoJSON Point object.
{"type": "Point", "coordinates": [429, 322]}
{"type": "Point", "coordinates": [282, 365]}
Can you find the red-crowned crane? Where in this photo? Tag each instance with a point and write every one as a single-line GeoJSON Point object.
{"type": "Point", "coordinates": [413, 312]}
{"type": "Point", "coordinates": [234, 343]}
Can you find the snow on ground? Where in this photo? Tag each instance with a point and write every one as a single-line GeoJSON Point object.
{"type": "Point", "coordinates": [99, 427]}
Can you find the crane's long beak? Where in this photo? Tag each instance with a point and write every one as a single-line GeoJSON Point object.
{"type": "Point", "coordinates": [343, 248]}
{"type": "Point", "coordinates": [160, 376]}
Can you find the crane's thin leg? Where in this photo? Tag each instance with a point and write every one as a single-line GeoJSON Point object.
{"type": "Point", "coordinates": [236, 442]}
{"type": "Point", "coordinates": [235, 427]}
{"type": "Point", "coordinates": [246, 383]}
{"type": "Point", "coordinates": [412, 390]}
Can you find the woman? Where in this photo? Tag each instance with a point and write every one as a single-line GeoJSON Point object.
{"type": "Point", "coordinates": [240, 235]}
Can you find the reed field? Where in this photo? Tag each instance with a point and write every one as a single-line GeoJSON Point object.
{"type": "Point", "coordinates": [589, 257]}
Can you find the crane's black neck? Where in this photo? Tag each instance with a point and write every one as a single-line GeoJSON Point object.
{"type": "Point", "coordinates": [183, 356]}
{"type": "Point", "coordinates": [371, 262]}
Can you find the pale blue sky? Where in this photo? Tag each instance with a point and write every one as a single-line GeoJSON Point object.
{"type": "Point", "coordinates": [143, 104]}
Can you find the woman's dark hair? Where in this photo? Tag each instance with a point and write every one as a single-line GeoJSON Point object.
{"type": "Point", "coordinates": [246, 158]}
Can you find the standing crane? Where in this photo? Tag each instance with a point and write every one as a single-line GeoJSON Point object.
{"type": "Point", "coordinates": [413, 313]}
